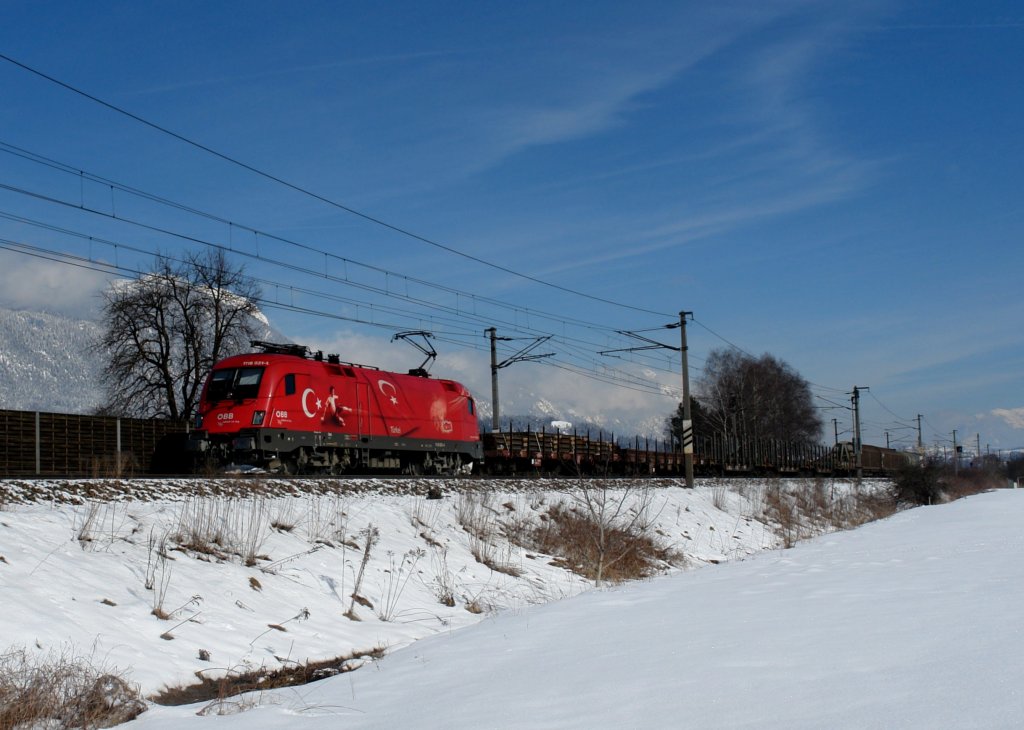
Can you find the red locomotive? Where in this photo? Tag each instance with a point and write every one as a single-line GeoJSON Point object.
{"type": "Point", "coordinates": [287, 410]}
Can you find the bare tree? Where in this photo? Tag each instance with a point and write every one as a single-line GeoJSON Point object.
{"type": "Point", "coordinates": [163, 332]}
{"type": "Point", "coordinates": [619, 519]}
{"type": "Point", "coordinates": [746, 398]}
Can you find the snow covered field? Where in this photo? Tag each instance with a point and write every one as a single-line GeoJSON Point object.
{"type": "Point", "coordinates": [908, 622]}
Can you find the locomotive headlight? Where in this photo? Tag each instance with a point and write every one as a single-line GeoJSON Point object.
{"type": "Point", "coordinates": [257, 417]}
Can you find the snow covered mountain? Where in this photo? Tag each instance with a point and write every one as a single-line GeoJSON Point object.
{"type": "Point", "coordinates": [47, 363]}
{"type": "Point", "coordinates": [536, 412]}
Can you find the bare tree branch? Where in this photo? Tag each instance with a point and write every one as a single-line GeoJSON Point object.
{"type": "Point", "coordinates": [163, 332]}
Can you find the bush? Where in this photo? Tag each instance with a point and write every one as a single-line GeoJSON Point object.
{"type": "Point", "coordinates": [600, 553]}
{"type": "Point", "coordinates": [918, 483]}
{"type": "Point", "coordinates": [62, 691]}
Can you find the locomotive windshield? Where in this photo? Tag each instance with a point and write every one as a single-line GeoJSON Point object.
{"type": "Point", "coordinates": [234, 384]}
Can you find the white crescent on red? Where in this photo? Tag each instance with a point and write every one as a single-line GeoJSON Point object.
{"type": "Point", "coordinates": [305, 394]}
{"type": "Point", "coordinates": [384, 386]}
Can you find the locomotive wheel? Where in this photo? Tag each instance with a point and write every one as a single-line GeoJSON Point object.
{"type": "Point", "coordinates": [413, 469]}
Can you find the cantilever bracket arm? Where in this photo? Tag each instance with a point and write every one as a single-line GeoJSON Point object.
{"type": "Point", "coordinates": [523, 355]}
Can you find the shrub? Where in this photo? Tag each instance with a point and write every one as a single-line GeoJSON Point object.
{"type": "Point", "coordinates": [918, 484]}
{"type": "Point", "coordinates": [63, 691]}
{"type": "Point", "coordinates": [598, 552]}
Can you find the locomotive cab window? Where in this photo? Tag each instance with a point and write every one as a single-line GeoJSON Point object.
{"type": "Point", "coordinates": [470, 401]}
{"type": "Point", "coordinates": [234, 384]}
{"type": "Point", "coordinates": [289, 384]}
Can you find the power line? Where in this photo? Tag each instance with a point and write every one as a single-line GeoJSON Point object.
{"type": "Point", "coordinates": [430, 303]}
{"type": "Point", "coordinates": [711, 331]}
{"type": "Point", "coordinates": [152, 197]}
{"type": "Point", "coordinates": [611, 377]}
{"type": "Point", "coordinates": [886, 408]}
{"type": "Point", "coordinates": [569, 343]}
{"type": "Point", "coordinates": [133, 191]}
{"type": "Point", "coordinates": [316, 196]}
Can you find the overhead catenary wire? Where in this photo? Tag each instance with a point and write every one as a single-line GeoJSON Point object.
{"type": "Point", "coordinates": [292, 288]}
{"type": "Point", "coordinates": [622, 380]}
{"type": "Point", "coordinates": [316, 196]}
{"type": "Point", "coordinates": [232, 225]}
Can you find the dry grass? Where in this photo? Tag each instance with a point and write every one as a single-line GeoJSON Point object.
{"type": "Point", "coordinates": [64, 691]}
{"type": "Point", "coordinates": [488, 541]}
{"type": "Point", "coordinates": [971, 482]}
{"type": "Point", "coordinates": [232, 684]}
{"type": "Point", "coordinates": [444, 580]}
{"type": "Point", "coordinates": [371, 535]}
{"type": "Point", "coordinates": [802, 511]}
{"type": "Point", "coordinates": [576, 538]}
{"type": "Point", "coordinates": [476, 515]}
{"type": "Point", "coordinates": [221, 528]}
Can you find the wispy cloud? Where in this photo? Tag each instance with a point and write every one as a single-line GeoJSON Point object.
{"type": "Point", "coordinates": [776, 159]}
{"type": "Point", "coordinates": [1014, 417]}
{"type": "Point", "coordinates": [47, 286]}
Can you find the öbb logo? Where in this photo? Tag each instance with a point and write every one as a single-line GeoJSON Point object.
{"type": "Point", "coordinates": [225, 416]}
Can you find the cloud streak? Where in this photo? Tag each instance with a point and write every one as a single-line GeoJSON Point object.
{"type": "Point", "coordinates": [1014, 417]}
{"type": "Point", "coordinates": [38, 285]}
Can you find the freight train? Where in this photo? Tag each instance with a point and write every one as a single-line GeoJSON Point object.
{"type": "Point", "coordinates": [288, 410]}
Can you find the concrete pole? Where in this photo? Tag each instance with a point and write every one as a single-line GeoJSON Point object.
{"type": "Point", "coordinates": [687, 415]}
{"type": "Point", "coordinates": [856, 432]}
{"type": "Point", "coordinates": [495, 421]}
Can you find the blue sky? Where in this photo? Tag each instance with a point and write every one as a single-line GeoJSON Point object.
{"type": "Point", "coordinates": [838, 184]}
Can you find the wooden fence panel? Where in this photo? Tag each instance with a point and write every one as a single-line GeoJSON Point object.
{"type": "Point", "coordinates": [59, 444]}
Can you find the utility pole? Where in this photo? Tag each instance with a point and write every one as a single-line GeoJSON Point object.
{"type": "Point", "coordinates": [494, 379]}
{"type": "Point", "coordinates": [977, 448]}
{"type": "Point", "coordinates": [835, 429]}
{"type": "Point", "coordinates": [687, 416]}
{"type": "Point", "coordinates": [920, 446]}
{"type": "Point", "coordinates": [856, 430]}
{"type": "Point", "coordinates": [887, 440]}
{"type": "Point", "coordinates": [496, 366]}
{"type": "Point", "coordinates": [956, 455]}
{"type": "Point", "coordinates": [686, 442]}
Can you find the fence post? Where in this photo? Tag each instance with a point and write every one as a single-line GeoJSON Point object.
{"type": "Point", "coordinates": [39, 460]}
{"type": "Point", "coordinates": [117, 467]}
